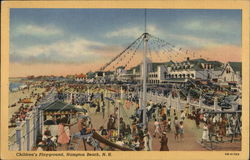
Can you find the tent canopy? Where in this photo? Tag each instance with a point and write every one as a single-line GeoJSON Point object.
{"type": "Point", "coordinates": [61, 106]}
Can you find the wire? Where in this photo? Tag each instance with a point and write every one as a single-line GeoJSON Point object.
{"type": "Point", "coordinates": [124, 51]}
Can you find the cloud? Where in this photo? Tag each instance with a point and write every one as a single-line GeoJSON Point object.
{"type": "Point", "coordinates": [195, 41]}
{"type": "Point", "coordinates": [75, 50]}
{"type": "Point", "coordinates": [132, 32]}
{"type": "Point", "coordinates": [35, 30]}
{"type": "Point", "coordinates": [222, 26]}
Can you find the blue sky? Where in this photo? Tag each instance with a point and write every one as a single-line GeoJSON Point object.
{"type": "Point", "coordinates": [91, 35]}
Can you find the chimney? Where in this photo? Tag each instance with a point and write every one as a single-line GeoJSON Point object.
{"type": "Point", "coordinates": [187, 58]}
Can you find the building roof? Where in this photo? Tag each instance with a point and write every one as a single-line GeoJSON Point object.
{"type": "Point", "coordinates": [155, 66]}
{"type": "Point", "coordinates": [236, 66]}
{"type": "Point", "coordinates": [197, 64]}
{"type": "Point", "coordinates": [166, 64]}
{"type": "Point", "coordinates": [218, 66]}
{"type": "Point", "coordinates": [81, 76]}
{"type": "Point", "coordinates": [195, 61]}
{"type": "Point", "coordinates": [137, 68]}
{"type": "Point", "coordinates": [120, 67]}
{"type": "Point", "coordinates": [197, 67]}
{"type": "Point", "coordinates": [109, 73]}
{"type": "Point", "coordinates": [60, 106]}
{"type": "Point", "coordinates": [91, 74]}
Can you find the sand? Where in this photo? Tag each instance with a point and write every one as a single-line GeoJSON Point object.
{"type": "Point", "coordinates": [15, 96]}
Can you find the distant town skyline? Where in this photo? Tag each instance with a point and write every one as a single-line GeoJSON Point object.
{"type": "Point", "coordinates": [74, 41]}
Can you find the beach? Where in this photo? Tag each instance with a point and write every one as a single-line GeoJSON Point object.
{"type": "Point", "coordinates": [21, 94]}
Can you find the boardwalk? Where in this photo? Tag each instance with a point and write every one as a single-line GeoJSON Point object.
{"type": "Point", "coordinates": [190, 143]}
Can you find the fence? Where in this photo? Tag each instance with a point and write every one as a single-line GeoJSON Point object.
{"type": "Point", "coordinates": [180, 104]}
{"type": "Point", "coordinates": [24, 136]}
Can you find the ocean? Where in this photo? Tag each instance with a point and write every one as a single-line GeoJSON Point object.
{"type": "Point", "coordinates": [14, 86]}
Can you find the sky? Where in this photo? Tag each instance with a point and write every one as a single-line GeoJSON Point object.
{"type": "Point", "coordinates": [74, 41]}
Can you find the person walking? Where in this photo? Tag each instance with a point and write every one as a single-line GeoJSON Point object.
{"type": "Point", "coordinates": [183, 115]}
{"type": "Point", "coordinates": [205, 137]}
{"type": "Point", "coordinates": [63, 137]}
{"type": "Point", "coordinates": [157, 128]}
{"type": "Point", "coordinates": [169, 125]}
{"type": "Point", "coordinates": [164, 142]}
{"type": "Point", "coordinates": [168, 111]}
{"type": "Point", "coordinates": [177, 127]}
{"type": "Point", "coordinates": [197, 119]}
{"type": "Point", "coordinates": [122, 127]}
{"type": "Point", "coordinates": [128, 132]}
{"type": "Point", "coordinates": [147, 141]}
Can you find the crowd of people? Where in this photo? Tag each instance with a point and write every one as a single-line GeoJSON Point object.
{"type": "Point", "coordinates": [165, 120]}
{"type": "Point", "coordinates": [217, 125]}
{"type": "Point", "coordinates": [26, 105]}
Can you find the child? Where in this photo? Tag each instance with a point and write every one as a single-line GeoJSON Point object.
{"type": "Point", "coordinates": [181, 131]}
{"type": "Point", "coordinates": [177, 127]}
{"type": "Point", "coordinates": [169, 125]}
{"type": "Point", "coordinates": [182, 115]}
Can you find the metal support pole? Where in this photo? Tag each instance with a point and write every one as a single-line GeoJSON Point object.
{"type": "Point", "coordinates": [188, 104]}
{"type": "Point", "coordinates": [108, 108]}
{"type": "Point", "coordinates": [178, 102]}
{"type": "Point", "coordinates": [140, 99]}
{"type": "Point", "coordinates": [144, 96]}
{"type": "Point", "coordinates": [42, 120]}
{"type": "Point", "coordinates": [18, 135]}
{"type": "Point", "coordinates": [170, 99]}
{"type": "Point", "coordinates": [200, 102]}
{"type": "Point", "coordinates": [28, 131]}
{"type": "Point", "coordinates": [118, 121]}
{"type": "Point", "coordinates": [103, 109]}
{"type": "Point", "coordinates": [34, 125]}
{"type": "Point", "coordinates": [215, 103]}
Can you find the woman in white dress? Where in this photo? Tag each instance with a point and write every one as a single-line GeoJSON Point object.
{"type": "Point", "coordinates": [157, 128]}
{"type": "Point", "coordinates": [147, 141]}
{"type": "Point", "coordinates": [205, 133]}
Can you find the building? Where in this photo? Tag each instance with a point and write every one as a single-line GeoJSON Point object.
{"type": "Point", "coordinates": [194, 69]}
{"type": "Point", "coordinates": [158, 72]}
{"type": "Point", "coordinates": [168, 72]}
{"type": "Point", "coordinates": [81, 77]}
{"type": "Point", "coordinates": [90, 75]}
{"type": "Point", "coordinates": [232, 72]}
{"type": "Point", "coordinates": [119, 72]}
{"type": "Point", "coordinates": [103, 77]}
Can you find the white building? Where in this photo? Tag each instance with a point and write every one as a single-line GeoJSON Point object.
{"type": "Point", "coordinates": [120, 72]}
{"type": "Point", "coordinates": [166, 72]}
{"type": "Point", "coordinates": [232, 72]}
{"type": "Point", "coordinates": [194, 69]}
{"type": "Point", "coordinates": [158, 72]}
